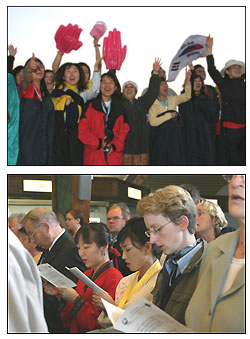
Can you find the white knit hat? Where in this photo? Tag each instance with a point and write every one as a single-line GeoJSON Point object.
{"type": "Point", "coordinates": [130, 82]}
{"type": "Point", "coordinates": [232, 63]}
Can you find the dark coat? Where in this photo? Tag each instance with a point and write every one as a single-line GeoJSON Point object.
{"type": "Point", "coordinates": [233, 94]}
{"type": "Point", "coordinates": [63, 253]}
{"type": "Point", "coordinates": [36, 131]}
{"type": "Point", "coordinates": [198, 117]}
{"type": "Point", "coordinates": [167, 144]}
{"type": "Point", "coordinates": [137, 141]}
{"type": "Point", "coordinates": [67, 148]}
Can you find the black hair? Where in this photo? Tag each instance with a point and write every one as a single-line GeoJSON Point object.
{"type": "Point", "coordinates": [36, 59]}
{"type": "Point", "coordinates": [42, 83]}
{"type": "Point", "coordinates": [59, 76]}
{"type": "Point", "coordinates": [16, 70]}
{"type": "Point", "coordinates": [135, 230]}
{"type": "Point", "coordinates": [48, 71]}
{"type": "Point", "coordinates": [193, 77]}
{"type": "Point", "coordinates": [198, 66]}
{"type": "Point", "coordinates": [94, 232]}
{"type": "Point", "coordinates": [83, 64]}
{"type": "Point", "coordinates": [163, 79]}
{"type": "Point", "coordinates": [111, 74]}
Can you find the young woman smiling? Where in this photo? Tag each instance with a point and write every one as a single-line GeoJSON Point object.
{"type": "Point", "coordinates": [103, 128]}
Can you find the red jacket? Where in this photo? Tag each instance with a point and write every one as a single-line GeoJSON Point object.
{"type": "Point", "coordinates": [81, 316]}
{"type": "Point", "coordinates": [91, 131]}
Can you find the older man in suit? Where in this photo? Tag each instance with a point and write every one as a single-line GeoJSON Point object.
{"type": "Point", "coordinates": [60, 250]}
{"type": "Point", "coordinates": [218, 303]}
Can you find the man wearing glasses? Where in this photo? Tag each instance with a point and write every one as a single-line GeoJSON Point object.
{"type": "Point", "coordinates": [60, 251]}
{"type": "Point", "coordinates": [218, 303]}
{"type": "Point", "coordinates": [170, 217]}
{"type": "Point", "coordinates": [117, 217]}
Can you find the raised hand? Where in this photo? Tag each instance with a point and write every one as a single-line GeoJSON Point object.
{"type": "Point", "coordinates": [157, 65]}
{"type": "Point", "coordinates": [33, 65]}
{"type": "Point", "coordinates": [188, 76]}
{"type": "Point", "coordinates": [191, 66]}
{"type": "Point", "coordinates": [210, 42]}
{"type": "Point", "coordinates": [113, 52]}
{"type": "Point", "coordinates": [67, 38]}
{"type": "Point", "coordinates": [12, 50]}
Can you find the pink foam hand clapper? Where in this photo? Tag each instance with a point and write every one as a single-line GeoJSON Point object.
{"type": "Point", "coordinates": [98, 30]}
{"type": "Point", "coordinates": [67, 38]}
{"type": "Point", "coordinates": [113, 52]}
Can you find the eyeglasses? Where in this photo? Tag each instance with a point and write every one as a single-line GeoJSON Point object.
{"type": "Point", "coordinates": [114, 218]}
{"type": "Point", "coordinates": [31, 235]}
{"type": "Point", "coordinates": [156, 230]}
{"type": "Point", "coordinates": [229, 178]}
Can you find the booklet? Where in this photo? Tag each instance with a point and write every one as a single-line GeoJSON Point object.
{"type": "Point", "coordinates": [143, 317]}
{"type": "Point", "coordinates": [80, 275]}
{"type": "Point", "coordinates": [54, 277]}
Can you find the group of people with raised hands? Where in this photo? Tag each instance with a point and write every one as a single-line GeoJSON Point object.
{"type": "Point", "coordinates": [65, 118]}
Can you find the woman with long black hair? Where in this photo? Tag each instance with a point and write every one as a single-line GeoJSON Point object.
{"type": "Point", "coordinates": [103, 128]}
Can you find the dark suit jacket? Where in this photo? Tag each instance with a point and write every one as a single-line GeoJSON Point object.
{"type": "Point", "coordinates": [63, 253]}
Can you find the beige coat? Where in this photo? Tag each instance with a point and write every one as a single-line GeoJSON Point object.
{"type": "Point", "coordinates": [208, 311]}
{"type": "Point", "coordinates": [173, 101]}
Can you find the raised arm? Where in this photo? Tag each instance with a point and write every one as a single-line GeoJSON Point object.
{"type": "Point", "coordinates": [154, 86]}
{"type": "Point", "coordinates": [210, 42]}
{"type": "Point", "coordinates": [11, 57]}
{"type": "Point", "coordinates": [97, 49]}
{"type": "Point", "coordinates": [28, 72]}
{"type": "Point", "coordinates": [57, 61]}
{"type": "Point", "coordinates": [213, 72]}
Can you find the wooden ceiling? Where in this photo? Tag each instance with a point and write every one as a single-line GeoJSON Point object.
{"type": "Point", "coordinates": [208, 184]}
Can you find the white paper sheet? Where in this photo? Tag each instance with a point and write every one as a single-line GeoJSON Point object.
{"type": "Point", "coordinates": [143, 317]}
{"type": "Point", "coordinates": [85, 279]}
{"type": "Point", "coordinates": [113, 311]}
{"type": "Point", "coordinates": [55, 277]}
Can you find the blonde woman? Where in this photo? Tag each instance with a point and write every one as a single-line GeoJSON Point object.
{"type": "Point", "coordinates": [210, 220]}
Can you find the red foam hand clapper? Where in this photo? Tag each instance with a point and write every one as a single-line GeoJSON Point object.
{"type": "Point", "coordinates": [98, 30]}
{"type": "Point", "coordinates": [67, 38]}
{"type": "Point", "coordinates": [113, 52]}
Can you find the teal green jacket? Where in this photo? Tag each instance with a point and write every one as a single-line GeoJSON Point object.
{"type": "Point", "coordinates": [13, 121]}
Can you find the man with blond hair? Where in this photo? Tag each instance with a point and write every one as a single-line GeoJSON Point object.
{"type": "Point", "coordinates": [60, 251]}
{"type": "Point", "coordinates": [170, 217]}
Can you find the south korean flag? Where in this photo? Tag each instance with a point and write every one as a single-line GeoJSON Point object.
{"type": "Point", "coordinates": [193, 47]}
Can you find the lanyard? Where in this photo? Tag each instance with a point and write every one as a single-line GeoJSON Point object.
{"type": "Point", "coordinates": [106, 110]}
{"type": "Point", "coordinates": [37, 93]}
